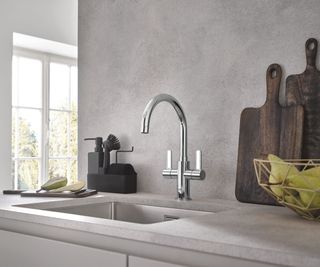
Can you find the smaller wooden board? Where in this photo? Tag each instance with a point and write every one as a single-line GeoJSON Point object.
{"type": "Point", "coordinates": [270, 129]}
{"type": "Point", "coordinates": [82, 193]}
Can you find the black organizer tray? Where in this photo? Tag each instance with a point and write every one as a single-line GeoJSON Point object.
{"type": "Point", "coordinates": [113, 183]}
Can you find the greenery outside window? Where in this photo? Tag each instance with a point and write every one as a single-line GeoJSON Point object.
{"type": "Point", "coordinates": [44, 118]}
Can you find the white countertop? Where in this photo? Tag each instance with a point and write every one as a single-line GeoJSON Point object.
{"type": "Point", "coordinates": [255, 232]}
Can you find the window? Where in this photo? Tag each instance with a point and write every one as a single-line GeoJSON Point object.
{"type": "Point", "coordinates": [44, 118]}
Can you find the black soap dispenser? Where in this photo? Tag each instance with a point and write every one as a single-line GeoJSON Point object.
{"type": "Point", "coordinates": [95, 159]}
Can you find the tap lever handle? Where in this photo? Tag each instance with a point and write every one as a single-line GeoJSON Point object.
{"type": "Point", "coordinates": [198, 160]}
{"type": "Point", "coordinates": [169, 173]}
{"type": "Point", "coordinates": [169, 159]}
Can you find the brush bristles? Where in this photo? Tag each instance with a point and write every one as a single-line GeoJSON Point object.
{"type": "Point", "coordinates": [112, 142]}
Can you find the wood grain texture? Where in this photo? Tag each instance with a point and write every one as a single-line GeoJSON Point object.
{"type": "Point", "coordinates": [269, 129]}
{"type": "Point", "coordinates": [304, 89]}
{"type": "Point", "coordinates": [270, 113]}
{"type": "Point", "coordinates": [247, 188]}
{"type": "Point", "coordinates": [291, 134]}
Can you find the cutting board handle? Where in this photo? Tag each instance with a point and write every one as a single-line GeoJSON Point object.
{"type": "Point", "coordinates": [311, 52]}
{"type": "Point", "coordinates": [274, 74]}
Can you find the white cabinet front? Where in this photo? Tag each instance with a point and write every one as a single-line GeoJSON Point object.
{"type": "Point", "coordinates": [18, 250]}
{"type": "Point", "coordinates": [142, 262]}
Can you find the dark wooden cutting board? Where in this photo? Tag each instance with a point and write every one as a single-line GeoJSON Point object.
{"type": "Point", "coordinates": [82, 193]}
{"type": "Point", "coordinates": [268, 129]}
{"type": "Point", "coordinates": [304, 89]}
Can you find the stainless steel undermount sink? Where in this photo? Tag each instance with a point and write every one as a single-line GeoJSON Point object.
{"type": "Point", "coordinates": [128, 212]}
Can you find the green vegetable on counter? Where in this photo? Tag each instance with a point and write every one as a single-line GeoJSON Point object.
{"type": "Point", "coordinates": [72, 187]}
{"type": "Point", "coordinates": [54, 183]}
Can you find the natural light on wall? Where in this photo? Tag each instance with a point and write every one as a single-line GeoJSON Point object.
{"type": "Point", "coordinates": [44, 111]}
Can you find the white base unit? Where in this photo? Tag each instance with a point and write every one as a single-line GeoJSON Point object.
{"type": "Point", "coordinates": [18, 250]}
{"type": "Point", "coordinates": [37, 245]}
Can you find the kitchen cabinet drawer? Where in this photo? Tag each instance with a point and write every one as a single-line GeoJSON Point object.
{"type": "Point", "coordinates": [142, 262]}
{"type": "Point", "coordinates": [215, 261]}
{"type": "Point", "coordinates": [18, 250]}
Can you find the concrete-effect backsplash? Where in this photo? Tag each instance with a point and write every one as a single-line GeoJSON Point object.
{"type": "Point", "coordinates": [211, 55]}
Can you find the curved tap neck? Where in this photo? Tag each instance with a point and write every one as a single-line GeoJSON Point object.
{"type": "Point", "coordinates": [145, 123]}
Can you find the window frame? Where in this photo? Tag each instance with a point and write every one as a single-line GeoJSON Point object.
{"type": "Point", "coordinates": [44, 157]}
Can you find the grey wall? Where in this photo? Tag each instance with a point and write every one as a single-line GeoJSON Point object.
{"type": "Point", "coordinates": [211, 55]}
{"type": "Point", "coordinates": [53, 20]}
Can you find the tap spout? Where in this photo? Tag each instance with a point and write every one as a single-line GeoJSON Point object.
{"type": "Point", "coordinates": [183, 173]}
{"type": "Point", "coordinates": [145, 122]}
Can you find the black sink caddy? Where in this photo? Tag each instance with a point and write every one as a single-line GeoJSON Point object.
{"type": "Point", "coordinates": [114, 178]}
{"type": "Point", "coordinates": [114, 183]}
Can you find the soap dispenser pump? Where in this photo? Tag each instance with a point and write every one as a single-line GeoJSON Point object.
{"type": "Point", "coordinates": [95, 159]}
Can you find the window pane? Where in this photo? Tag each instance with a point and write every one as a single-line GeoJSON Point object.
{"type": "Point", "coordinates": [74, 88]}
{"type": "Point", "coordinates": [29, 82]}
{"type": "Point", "coordinates": [74, 133]}
{"type": "Point", "coordinates": [29, 132]}
{"type": "Point", "coordinates": [28, 173]}
{"type": "Point", "coordinates": [58, 141]}
{"type": "Point", "coordinates": [59, 86]}
{"type": "Point", "coordinates": [13, 133]}
{"type": "Point", "coordinates": [58, 168]}
{"type": "Point", "coordinates": [14, 80]}
{"type": "Point", "coordinates": [74, 171]}
{"type": "Point", "coordinates": [13, 171]}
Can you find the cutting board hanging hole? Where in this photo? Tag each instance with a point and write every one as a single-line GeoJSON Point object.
{"type": "Point", "coordinates": [311, 46]}
{"type": "Point", "coordinates": [273, 73]}
{"type": "Point", "coordinates": [311, 51]}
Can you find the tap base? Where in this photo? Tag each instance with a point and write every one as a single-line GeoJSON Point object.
{"type": "Point", "coordinates": [183, 199]}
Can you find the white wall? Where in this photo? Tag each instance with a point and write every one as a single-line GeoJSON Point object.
{"type": "Point", "coordinates": [212, 55]}
{"type": "Point", "coordinates": [54, 20]}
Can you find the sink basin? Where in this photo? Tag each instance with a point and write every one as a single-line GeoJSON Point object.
{"type": "Point", "coordinates": [128, 212]}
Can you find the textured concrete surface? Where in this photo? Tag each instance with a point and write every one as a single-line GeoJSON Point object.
{"type": "Point", "coordinates": [211, 55]}
{"type": "Point", "coordinates": [274, 235]}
